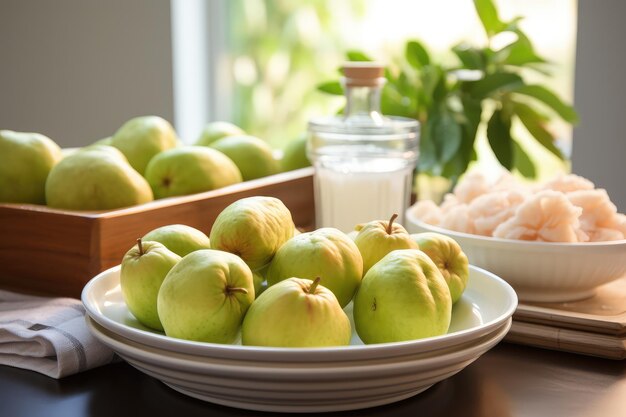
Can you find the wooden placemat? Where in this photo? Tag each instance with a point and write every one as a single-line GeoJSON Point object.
{"type": "Point", "coordinates": [587, 343]}
{"type": "Point", "coordinates": [594, 326]}
{"type": "Point", "coordinates": [605, 312]}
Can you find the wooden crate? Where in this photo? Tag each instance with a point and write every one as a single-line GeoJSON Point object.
{"type": "Point", "coordinates": [56, 252]}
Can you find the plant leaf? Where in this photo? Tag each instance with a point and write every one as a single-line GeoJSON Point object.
{"type": "Point", "coordinates": [331, 87]}
{"type": "Point", "coordinates": [441, 89]}
{"type": "Point", "coordinates": [404, 85]}
{"type": "Point", "coordinates": [435, 85]}
{"type": "Point", "coordinates": [357, 56]}
{"type": "Point", "coordinates": [470, 120]}
{"type": "Point", "coordinates": [488, 15]}
{"type": "Point", "coordinates": [472, 109]}
{"type": "Point", "coordinates": [493, 83]}
{"type": "Point", "coordinates": [520, 52]}
{"type": "Point", "coordinates": [534, 123]}
{"type": "Point", "coordinates": [540, 68]}
{"type": "Point", "coordinates": [456, 166]}
{"type": "Point", "coordinates": [522, 161]}
{"type": "Point", "coordinates": [471, 58]}
{"type": "Point", "coordinates": [409, 91]}
{"type": "Point", "coordinates": [393, 103]}
{"type": "Point", "coordinates": [446, 135]}
{"type": "Point", "coordinates": [430, 78]}
{"type": "Point", "coordinates": [512, 25]}
{"type": "Point", "coordinates": [389, 75]}
{"type": "Point", "coordinates": [416, 54]}
{"type": "Point", "coordinates": [550, 99]}
{"type": "Point", "coordinates": [427, 160]}
{"type": "Point", "coordinates": [500, 140]}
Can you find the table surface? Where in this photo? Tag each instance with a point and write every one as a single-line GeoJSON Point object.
{"type": "Point", "coordinates": [509, 380]}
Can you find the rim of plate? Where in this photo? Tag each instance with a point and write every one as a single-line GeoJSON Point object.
{"type": "Point", "coordinates": [154, 355]}
{"type": "Point", "coordinates": [351, 352]}
{"type": "Point", "coordinates": [200, 360]}
{"type": "Point", "coordinates": [521, 243]}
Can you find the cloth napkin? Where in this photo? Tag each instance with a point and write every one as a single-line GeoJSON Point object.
{"type": "Point", "coordinates": [48, 335]}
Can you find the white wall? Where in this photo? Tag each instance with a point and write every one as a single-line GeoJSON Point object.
{"type": "Point", "coordinates": [75, 70]}
{"type": "Point", "coordinates": [599, 144]}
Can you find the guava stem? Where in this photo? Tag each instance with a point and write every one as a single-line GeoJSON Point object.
{"type": "Point", "coordinates": [314, 285]}
{"type": "Point", "coordinates": [236, 289]}
{"type": "Point", "coordinates": [390, 225]}
{"type": "Point", "coordinates": [140, 246]}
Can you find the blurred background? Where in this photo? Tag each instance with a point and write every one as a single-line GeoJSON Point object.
{"type": "Point", "coordinates": [75, 70]}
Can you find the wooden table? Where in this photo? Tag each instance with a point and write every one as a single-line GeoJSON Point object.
{"type": "Point", "coordinates": [509, 380]}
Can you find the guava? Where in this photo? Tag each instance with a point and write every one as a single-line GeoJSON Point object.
{"type": "Point", "coordinates": [326, 253]}
{"type": "Point", "coordinates": [447, 254]}
{"type": "Point", "coordinates": [205, 297]}
{"type": "Point", "coordinates": [377, 238]}
{"type": "Point", "coordinates": [260, 283]}
{"type": "Point", "coordinates": [104, 141]}
{"type": "Point", "coordinates": [294, 155]}
{"type": "Point", "coordinates": [143, 270]}
{"type": "Point", "coordinates": [179, 238]}
{"type": "Point", "coordinates": [216, 130]}
{"type": "Point", "coordinates": [253, 228]}
{"type": "Point", "coordinates": [25, 162]}
{"type": "Point", "coordinates": [143, 137]}
{"type": "Point", "coordinates": [402, 297]}
{"type": "Point", "coordinates": [190, 170]}
{"type": "Point", "coordinates": [95, 179]}
{"type": "Point", "coordinates": [252, 156]}
{"type": "Point", "coordinates": [296, 313]}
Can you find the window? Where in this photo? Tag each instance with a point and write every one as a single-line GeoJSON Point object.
{"type": "Point", "coordinates": [272, 54]}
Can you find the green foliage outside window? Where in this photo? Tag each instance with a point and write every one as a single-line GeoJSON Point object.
{"type": "Point", "coordinates": [285, 49]}
{"type": "Point", "coordinates": [486, 85]}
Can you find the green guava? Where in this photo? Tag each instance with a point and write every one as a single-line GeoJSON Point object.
{"type": "Point", "coordinates": [326, 253]}
{"type": "Point", "coordinates": [179, 238]}
{"type": "Point", "coordinates": [216, 130]}
{"type": "Point", "coordinates": [190, 170]}
{"type": "Point", "coordinates": [25, 162]}
{"type": "Point", "coordinates": [296, 313]}
{"type": "Point", "coordinates": [143, 137]}
{"type": "Point", "coordinates": [447, 254]}
{"type": "Point", "coordinates": [253, 228]}
{"type": "Point", "coordinates": [95, 179]}
{"type": "Point", "coordinates": [143, 270]}
{"type": "Point", "coordinates": [205, 297]}
{"type": "Point", "coordinates": [402, 297]}
{"type": "Point", "coordinates": [252, 156]}
{"type": "Point", "coordinates": [377, 238]}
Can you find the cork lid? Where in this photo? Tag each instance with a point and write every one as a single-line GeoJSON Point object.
{"type": "Point", "coordinates": [363, 74]}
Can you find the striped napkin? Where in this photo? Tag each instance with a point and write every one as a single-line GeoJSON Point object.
{"type": "Point", "coordinates": [48, 335]}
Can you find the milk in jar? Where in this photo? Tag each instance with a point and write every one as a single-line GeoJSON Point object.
{"type": "Point", "coordinates": [364, 161]}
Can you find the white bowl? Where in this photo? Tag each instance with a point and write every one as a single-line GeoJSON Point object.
{"type": "Point", "coordinates": [307, 379]}
{"type": "Point", "coordinates": [540, 271]}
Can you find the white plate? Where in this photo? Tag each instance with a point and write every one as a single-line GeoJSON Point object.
{"type": "Point", "coordinates": [540, 271]}
{"type": "Point", "coordinates": [311, 379]}
{"type": "Point", "coordinates": [292, 388]}
{"type": "Point", "coordinates": [487, 303]}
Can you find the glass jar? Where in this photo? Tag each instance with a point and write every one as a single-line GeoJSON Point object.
{"type": "Point", "coordinates": [364, 161]}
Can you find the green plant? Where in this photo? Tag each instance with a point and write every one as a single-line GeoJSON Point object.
{"type": "Point", "coordinates": [486, 86]}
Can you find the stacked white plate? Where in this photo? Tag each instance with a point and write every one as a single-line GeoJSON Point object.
{"type": "Point", "coordinates": [311, 379]}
